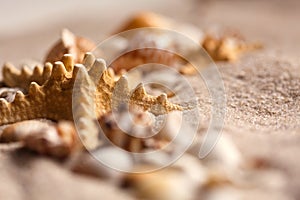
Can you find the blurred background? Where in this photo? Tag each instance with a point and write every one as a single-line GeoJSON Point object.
{"type": "Point", "coordinates": [29, 28]}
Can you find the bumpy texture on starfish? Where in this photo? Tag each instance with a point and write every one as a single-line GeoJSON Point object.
{"type": "Point", "coordinates": [50, 91]}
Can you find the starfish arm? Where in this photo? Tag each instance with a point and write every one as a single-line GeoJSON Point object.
{"type": "Point", "coordinates": [22, 78]}
{"type": "Point", "coordinates": [52, 100]}
{"type": "Point", "coordinates": [14, 77]}
{"type": "Point", "coordinates": [156, 105]}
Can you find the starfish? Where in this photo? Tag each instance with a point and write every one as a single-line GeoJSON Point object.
{"type": "Point", "coordinates": [51, 92]}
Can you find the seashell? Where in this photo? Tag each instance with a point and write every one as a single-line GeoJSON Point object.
{"type": "Point", "coordinates": [154, 20]}
{"type": "Point", "coordinates": [135, 142]}
{"type": "Point", "coordinates": [19, 131]}
{"type": "Point", "coordinates": [117, 136]}
{"type": "Point", "coordinates": [227, 48]}
{"type": "Point", "coordinates": [113, 157]}
{"type": "Point", "coordinates": [225, 152]}
{"type": "Point", "coordinates": [84, 163]}
{"type": "Point", "coordinates": [157, 54]}
{"type": "Point", "coordinates": [8, 94]}
{"type": "Point", "coordinates": [70, 44]}
{"type": "Point", "coordinates": [193, 168]}
{"type": "Point", "coordinates": [188, 69]}
{"type": "Point", "coordinates": [159, 44]}
{"type": "Point", "coordinates": [232, 193]}
{"type": "Point", "coordinates": [179, 181]}
{"type": "Point", "coordinates": [136, 132]}
{"type": "Point", "coordinates": [145, 19]}
{"type": "Point", "coordinates": [44, 137]}
{"type": "Point", "coordinates": [166, 184]}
